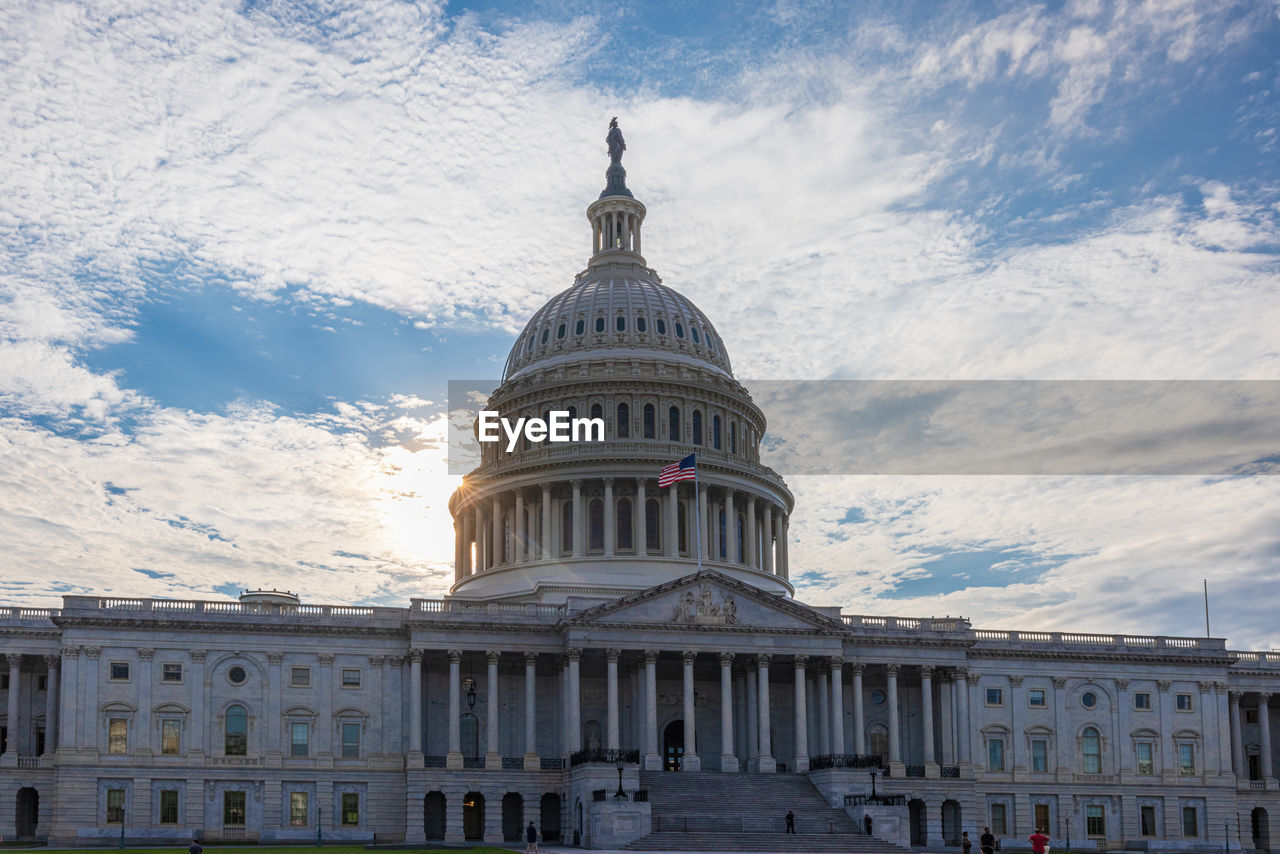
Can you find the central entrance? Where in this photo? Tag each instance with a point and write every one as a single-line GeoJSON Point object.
{"type": "Point", "coordinates": [672, 746]}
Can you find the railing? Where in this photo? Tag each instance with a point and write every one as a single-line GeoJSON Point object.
{"type": "Point", "coordinates": [1252, 785]}
{"type": "Point", "coordinates": [1258, 658]}
{"type": "Point", "coordinates": [435, 762]}
{"type": "Point", "coordinates": [15, 614]}
{"type": "Point", "coordinates": [935, 624]}
{"type": "Point", "coordinates": [187, 607]}
{"type": "Point", "coordinates": [725, 824]}
{"type": "Point", "coordinates": [641, 796]}
{"type": "Point", "coordinates": [915, 770]}
{"type": "Point", "coordinates": [515, 609]}
{"type": "Point", "coordinates": [552, 763]}
{"type": "Point", "coordinates": [603, 757]}
{"type": "Point", "coordinates": [232, 832]}
{"type": "Point", "coordinates": [473, 762]}
{"type": "Point", "coordinates": [843, 760]}
{"type": "Point", "coordinates": [951, 772]}
{"type": "Point", "coordinates": [28, 761]}
{"type": "Point", "coordinates": [883, 800]}
{"type": "Point", "coordinates": [598, 795]}
{"type": "Point", "coordinates": [1097, 640]}
{"type": "Point", "coordinates": [513, 763]}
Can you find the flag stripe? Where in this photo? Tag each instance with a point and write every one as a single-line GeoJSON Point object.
{"type": "Point", "coordinates": [686, 469]}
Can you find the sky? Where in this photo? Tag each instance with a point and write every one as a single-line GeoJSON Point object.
{"type": "Point", "coordinates": [245, 245]}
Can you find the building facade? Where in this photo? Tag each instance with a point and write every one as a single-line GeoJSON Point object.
{"type": "Point", "coordinates": [603, 631]}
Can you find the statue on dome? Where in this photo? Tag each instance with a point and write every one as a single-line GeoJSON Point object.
{"type": "Point", "coordinates": [614, 140]}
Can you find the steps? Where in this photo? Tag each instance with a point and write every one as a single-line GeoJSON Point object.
{"type": "Point", "coordinates": [746, 812]}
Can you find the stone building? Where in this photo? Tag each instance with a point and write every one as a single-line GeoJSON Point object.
{"type": "Point", "coordinates": [607, 641]}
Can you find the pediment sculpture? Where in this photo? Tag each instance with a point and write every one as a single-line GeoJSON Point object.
{"type": "Point", "coordinates": [704, 609]}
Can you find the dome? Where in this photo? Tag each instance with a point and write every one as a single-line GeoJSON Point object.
{"type": "Point", "coordinates": [623, 309]}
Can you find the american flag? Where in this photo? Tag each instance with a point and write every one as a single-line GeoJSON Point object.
{"type": "Point", "coordinates": [683, 470]}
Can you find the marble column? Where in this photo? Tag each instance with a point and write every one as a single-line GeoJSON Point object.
{"type": "Point", "coordinates": [198, 736]}
{"type": "Point", "coordinates": [521, 528]}
{"type": "Point", "coordinates": [51, 703]}
{"type": "Point", "coordinates": [652, 759]}
{"type": "Point", "coordinates": [837, 706]}
{"type": "Point", "coordinates": [323, 732]}
{"type": "Point", "coordinates": [70, 700]}
{"type": "Point", "coordinates": [579, 517]}
{"type": "Point", "coordinates": [274, 704]}
{"type": "Point", "coordinates": [708, 552]}
{"type": "Point", "coordinates": [9, 758]}
{"type": "Point", "coordinates": [823, 703]}
{"type": "Point", "coordinates": [92, 678]}
{"type": "Point", "coordinates": [766, 762]}
{"type": "Point", "coordinates": [610, 519]}
{"type": "Point", "coordinates": [497, 558]}
{"type": "Point", "coordinates": [415, 702]}
{"type": "Point", "coordinates": [728, 759]}
{"type": "Point", "coordinates": [800, 716]}
{"type": "Point", "coordinates": [753, 725]}
{"type": "Point", "coordinates": [766, 547]}
{"type": "Point", "coordinates": [479, 565]}
{"type": "Point", "coordinates": [895, 739]}
{"type": "Point", "coordinates": [960, 693]}
{"type": "Point", "coordinates": [454, 758]}
{"type": "Point", "coordinates": [611, 690]}
{"type": "Point", "coordinates": [492, 753]}
{"type": "Point", "coordinates": [545, 506]}
{"type": "Point", "coordinates": [926, 712]}
{"type": "Point", "coordinates": [1237, 742]}
{"type": "Point", "coordinates": [780, 543]}
{"type": "Point", "coordinates": [690, 761]}
{"type": "Point", "coordinates": [640, 513]}
{"type": "Point", "coordinates": [459, 565]}
{"type": "Point", "coordinates": [575, 700]}
{"type": "Point", "coordinates": [1264, 735]}
{"type": "Point", "coordinates": [532, 762]}
{"type": "Point", "coordinates": [749, 538]}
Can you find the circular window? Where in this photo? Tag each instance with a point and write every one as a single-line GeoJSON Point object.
{"type": "Point", "coordinates": [1088, 699]}
{"type": "Point", "coordinates": [236, 675]}
{"type": "Point", "coordinates": [877, 696]}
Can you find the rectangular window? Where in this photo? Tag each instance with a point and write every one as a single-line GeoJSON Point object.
{"type": "Point", "coordinates": [171, 673]}
{"type": "Point", "coordinates": [168, 806]}
{"type": "Point", "coordinates": [1183, 703]}
{"type": "Point", "coordinates": [299, 739]}
{"type": "Point", "coordinates": [995, 696]}
{"type": "Point", "coordinates": [298, 809]}
{"type": "Point", "coordinates": [233, 809]}
{"type": "Point", "coordinates": [1095, 821]}
{"type": "Point", "coordinates": [995, 754]}
{"type": "Point", "coordinates": [1142, 701]}
{"type": "Point", "coordinates": [351, 741]}
{"type": "Point", "coordinates": [40, 741]}
{"type": "Point", "coordinates": [117, 736]}
{"type": "Point", "coordinates": [115, 806]}
{"type": "Point", "coordinates": [1146, 764]}
{"type": "Point", "coordinates": [4, 739]}
{"type": "Point", "coordinates": [350, 809]}
{"type": "Point", "coordinates": [4, 681]}
{"type": "Point", "coordinates": [170, 737]}
{"type": "Point", "coordinates": [1251, 716]}
{"type": "Point", "coordinates": [1190, 822]}
{"type": "Point", "coordinates": [1035, 698]}
{"type": "Point", "coordinates": [42, 683]}
{"type": "Point", "coordinates": [1040, 756]}
{"type": "Point", "coordinates": [998, 825]}
{"type": "Point", "coordinates": [1187, 760]}
{"type": "Point", "coordinates": [300, 677]}
{"type": "Point", "coordinates": [119, 671]}
{"type": "Point", "coordinates": [1042, 818]}
{"type": "Point", "coordinates": [350, 678]}
{"type": "Point", "coordinates": [1149, 821]}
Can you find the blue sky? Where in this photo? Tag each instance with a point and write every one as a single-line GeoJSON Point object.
{"type": "Point", "coordinates": [244, 247]}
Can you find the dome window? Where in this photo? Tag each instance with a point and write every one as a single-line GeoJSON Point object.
{"type": "Point", "coordinates": [679, 331]}
{"type": "Point", "coordinates": [715, 432]}
{"type": "Point", "coordinates": [599, 324]}
{"type": "Point", "coordinates": [621, 323]}
{"type": "Point", "coordinates": [546, 333]}
{"type": "Point", "coordinates": [624, 421]}
{"type": "Point", "coordinates": [661, 325]}
{"type": "Point", "coordinates": [693, 330]}
{"type": "Point", "coordinates": [528, 344]}
{"type": "Point", "coordinates": [673, 418]}
{"type": "Point", "coordinates": [561, 331]}
{"type": "Point", "coordinates": [650, 428]}
{"type": "Point", "coordinates": [580, 327]}
{"type": "Point", "coordinates": [597, 411]}
{"type": "Point", "coordinates": [640, 324]}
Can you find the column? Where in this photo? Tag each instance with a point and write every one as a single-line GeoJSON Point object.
{"type": "Point", "coordinates": [51, 703]}
{"type": "Point", "coordinates": [69, 699]}
{"type": "Point", "coordinates": [749, 537]}
{"type": "Point", "coordinates": [377, 739]}
{"type": "Point", "coordinates": [652, 759]}
{"type": "Point", "coordinates": [961, 696]}
{"type": "Point", "coordinates": [1237, 743]}
{"type": "Point", "coordinates": [926, 711]}
{"type": "Point", "coordinates": [1264, 733]}
{"type": "Point", "coordinates": [859, 722]}
{"type": "Point", "coordinates": [324, 719]}
{"type": "Point", "coordinates": [1168, 759]}
{"type": "Point", "coordinates": [728, 759]}
{"type": "Point", "coordinates": [641, 514]}
{"type": "Point", "coordinates": [1014, 759]}
{"type": "Point", "coordinates": [274, 659]}
{"type": "Point", "coordinates": [92, 675]}
{"type": "Point", "coordinates": [532, 762]}
{"type": "Point", "coordinates": [766, 765]}
{"type": "Point", "coordinates": [1122, 727]}
{"type": "Point", "coordinates": [740, 718]}
{"type": "Point", "coordinates": [610, 519]}
{"type": "Point", "coordinates": [780, 545]}
{"type": "Point", "coordinates": [479, 535]}
{"type": "Point", "coordinates": [579, 541]}
{"type": "Point", "coordinates": [753, 724]}
{"type": "Point", "coordinates": [521, 528]}
{"type": "Point", "coordinates": [611, 689]}
{"type": "Point", "coordinates": [1065, 762]}
{"type": "Point", "coordinates": [766, 547]}
{"type": "Point", "coordinates": [786, 547]}
{"type": "Point", "coordinates": [800, 715]}
{"type": "Point", "coordinates": [947, 705]}
{"type": "Point", "coordinates": [496, 556]}
{"type": "Point", "coordinates": [459, 567]}
{"type": "Point", "coordinates": [1224, 728]}
{"type": "Point", "coordinates": [730, 529]}
{"type": "Point", "coordinates": [197, 705]}
{"type": "Point", "coordinates": [895, 739]}
{"type": "Point", "coordinates": [673, 531]}
{"type": "Point", "coordinates": [575, 700]}
{"type": "Point", "coordinates": [690, 761]}
{"type": "Point", "coordinates": [453, 760]}
{"type": "Point", "coordinates": [824, 709]}
{"type": "Point", "coordinates": [708, 549]}
{"type": "Point", "coordinates": [545, 506]}
{"type": "Point", "coordinates": [10, 757]}
{"type": "Point", "coordinates": [492, 754]}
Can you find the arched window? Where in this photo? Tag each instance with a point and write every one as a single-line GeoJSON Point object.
{"type": "Point", "coordinates": [580, 327]}
{"type": "Point", "coordinates": [597, 411]}
{"type": "Point", "coordinates": [545, 334]}
{"type": "Point", "coordinates": [693, 330]}
{"type": "Point", "coordinates": [733, 437]}
{"type": "Point", "coordinates": [649, 426]}
{"type": "Point", "coordinates": [236, 732]}
{"type": "Point", "coordinates": [652, 531]}
{"type": "Point", "coordinates": [469, 729]}
{"type": "Point", "coordinates": [566, 527]}
{"type": "Point", "coordinates": [697, 427]}
{"type": "Point", "coordinates": [673, 416]}
{"type": "Point", "coordinates": [621, 323]}
{"type": "Point", "coordinates": [623, 527]}
{"type": "Point", "coordinates": [599, 324]}
{"type": "Point", "coordinates": [595, 516]}
{"type": "Point", "coordinates": [662, 326]}
{"type": "Point", "coordinates": [715, 432]}
{"type": "Point", "coordinates": [640, 324]}
{"type": "Point", "coordinates": [878, 741]}
{"type": "Point", "coordinates": [679, 330]}
{"type": "Point", "coordinates": [573, 413]}
{"type": "Point", "coordinates": [1091, 751]}
{"type": "Point", "coordinates": [624, 421]}
{"type": "Point", "coordinates": [560, 332]}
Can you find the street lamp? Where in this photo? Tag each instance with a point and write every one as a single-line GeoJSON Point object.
{"type": "Point", "coordinates": [319, 824]}
{"type": "Point", "coordinates": [122, 828]}
{"type": "Point", "coordinates": [1068, 836]}
{"type": "Point", "coordinates": [620, 795]}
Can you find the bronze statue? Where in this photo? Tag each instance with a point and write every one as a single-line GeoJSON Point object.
{"type": "Point", "coordinates": [614, 140]}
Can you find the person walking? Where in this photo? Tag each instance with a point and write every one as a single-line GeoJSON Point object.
{"type": "Point", "coordinates": [1039, 843]}
{"type": "Point", "coordinates": [195, 847]}
{"type": "Point", "coordinates": [966, 844]}
{"type": "Point", "coordinates": [791, 822]}
{"type": "Point", "coordinates": [987, 842]}
{"type": "Point", "coordinates": [531, 839]}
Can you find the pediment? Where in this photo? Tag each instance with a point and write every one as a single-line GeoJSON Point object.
{"type": "Point", "coordinates": [708, 599]}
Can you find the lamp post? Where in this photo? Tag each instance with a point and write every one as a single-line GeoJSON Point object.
{"type": "Point", "coordinates": [620, 795]}
{"type": "Point", "coordinates": [1068, 836]}
{"type": "Point", "coordinates": [1226, 836]}
{"type": "Point", "coordinates": [122, 817]}
{"type": "Point", "coordinates": [319, 824]}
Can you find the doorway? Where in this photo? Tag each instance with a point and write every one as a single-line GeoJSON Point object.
{"type": "Point", "coordinates": [916, 814]}
{"type": "Point", "coordinates": [473, 816]}
{"type": "Point", "coordinates": [28, 812]}
{"type": "Point", "coordinates": [950, 823]}
{"type": "Point", "coordinates": [512, 817]}
{"type": "Point", "coordinates": [433, 815]}
{"type": "Point", "coordinates": [1261, 826]}
{"type": "Point", "coordinates": [550, 815]}
{"type": "Point", "coordinates": [672, 746]}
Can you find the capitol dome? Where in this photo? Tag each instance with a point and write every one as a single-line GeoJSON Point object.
{"type": "Point", "coordinates": [545, 521]}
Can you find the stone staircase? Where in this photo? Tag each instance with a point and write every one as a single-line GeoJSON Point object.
{"type": "Point", "coordinates": [747, 812]}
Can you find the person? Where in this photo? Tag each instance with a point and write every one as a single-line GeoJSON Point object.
{"type": "Point", "coordinates": [195, 847]}
{"type": "Point", "coordinates": [966, 844]}
{"type": "Point", "coordinates": [987, 842]}
{"type": "Point", "coordinates": [1039, 843]}
{"type": "Point", "coordinates": [791, 822]}
{"type": "Point", "coordinates": [531, 839]}
{"type": "Point", "coordinates": [866, 821]}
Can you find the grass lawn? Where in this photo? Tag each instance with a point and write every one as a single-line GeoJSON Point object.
{"type": "Point", "coordinates": [285, 849]}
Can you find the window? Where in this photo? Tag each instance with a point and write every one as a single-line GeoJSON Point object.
{"type": "Point", "coordinates": [469, 730]}
{"type": "Point", "coordinates": [42, 683]}
{"type": "Point", "coordinates": [999, 825]}
{"type": "Point", "coordinates": [623, 527]}
{"type": "Point", "coordinates": [878, 741]}
{"type": "Point", "coordinates": [237, 675]}
{"type": "Point", "coordinates": [1040, 755]}
{"type": "Point", "coordinates": [351, 678]}
{"type": "Point", "coordinates": [561, 331]}
{"type": "Point", "coordinates": [679, 331]}
{"type": "Point", "coordinates": [1142, 701]}
{"type": "Point", "coordinates": [693, 330]}
{"type": "Point", "coordinates": [640, 324]}
{"type": "Point", "coordinates": [995, 696]}
{"type": "Point", "coordinates": [1091, 751]}
{"type": "Point", "coordinates": [662, 326]}
{"type": "Point", "coordinates": [40, 741]}
{"type": "Point", "coordinates": [546, 333]}
{"type": "Point", "coordinates": [620, 323]}
{"type": "Point", "coordinates": [1183, 703]}
{"type": "Point", "coordinates": [652, 533]}
{"type": "Point", "coordinates": [1187, 760]}
{"type": "Point", "coordinates": [299, 739]}
{"type": "Point", "coordinates": [650, 430]}
{"type": "Point", "coordinates": [580, 327]}
{"type": "Point", "coordinates": [300, 677]}
{"type": "Point", "coordinates": [168, 806]}
{"type": "Point", "coordinates": [1190, 822]}
{"type": "Point", "coordinates": [350, 809]}
{"type": "Point", "coordinates": [4, 738]}
{"type": "Point", "coordinates": [1095, 821]}
{"type": "Point", "coordinates": [351, 741]}
{"type": "Point", "coordinates": [115, 806]}
{"type": "Point", "coordinates": [233, 809]}
{"type": "Point", "coordinates": [235, 740]}
{"type": "Point", "coordinates": [715, 432]}
{"type": "Point", "coordinates": [595, 525]}
{"type": "Point", "coordinates": [1042, 818]}
{"type": "Point", "coordinates": [4, 681]}
{"type": "Point", "coordinates": [171, 673]}
{"type": "Point", "coordinates": [298, 809]}
{"type": "Point", "coordinates": [1035, 698]}
{"type": "Point", "coordinates": [1146, 762]}
{"type": "Point", "coordinates": [117, 736]}
{"type": "Point", "coordinates": [673, 424]}
{"type": "Point", "coordinates": [1148, 820]}
{"type": "Point", "coordinates": [597, 411]}
{"type": "Point", "coordinates": [170, 737]}
{"type": "Point", "coordinates": [119, 671]}
{"type": "Point", "coordinates": [995, 754]}
{"type": "Point", "coordinates": [878, 696]}
{"type": "Point", "coordinates": [624, 421]}
{"type": "Point", "coordinates": [1089, 700]}
{"type": "Point", "coordinates": [697, 427]}
{"type": "Point", "coordinates": [1251, 716]}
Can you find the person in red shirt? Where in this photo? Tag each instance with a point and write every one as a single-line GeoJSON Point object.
{"type": "Point", "coordinates": [1039, 842]}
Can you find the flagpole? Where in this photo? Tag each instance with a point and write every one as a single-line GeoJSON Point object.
{"type": "Point", "coordinates": [697, 508]}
